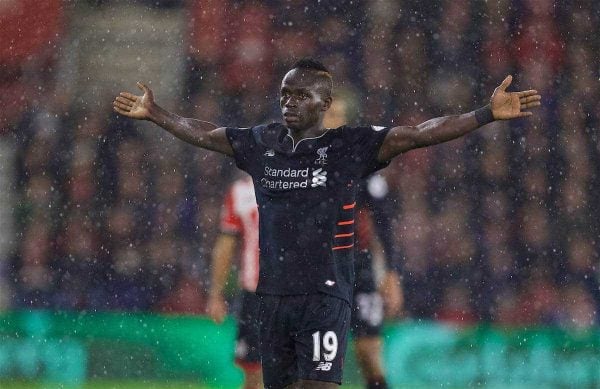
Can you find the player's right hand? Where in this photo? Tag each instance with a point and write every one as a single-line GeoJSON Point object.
{"type": "Point", "coordinates": [216, 308]}
{"type": "Point", "coordinates": [135, 107]}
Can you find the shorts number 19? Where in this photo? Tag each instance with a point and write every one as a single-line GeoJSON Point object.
{"type": "Point", "coordinates": [330, 345]}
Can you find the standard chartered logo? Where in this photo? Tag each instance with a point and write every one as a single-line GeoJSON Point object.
{"type": "Point", "coordinates": [319, 178]}
{"type": "Point", "coordinates": [288, 173]}
{"type": "Point", "coordinates": [293, 178]}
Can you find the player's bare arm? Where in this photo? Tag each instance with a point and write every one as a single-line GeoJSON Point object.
{"type": "Point", "coordinates": [391, 293]}
{"type": "Point", "coordinates": [390, 287]}
{"type": "Point", "coordinates": [221, 265]}
{"type": "Point", "coordinates": [197, 132]}
{"type": "Point", "coordinates": [503, 106]}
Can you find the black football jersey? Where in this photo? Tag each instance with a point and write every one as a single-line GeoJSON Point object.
{"type": "Point", "coordinates": [306, 193]}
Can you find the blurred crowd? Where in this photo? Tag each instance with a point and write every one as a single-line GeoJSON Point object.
{"type": "Point", "coordinates": [499, 226]}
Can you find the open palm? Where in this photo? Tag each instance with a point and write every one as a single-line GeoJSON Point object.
{"type": "Point", "coordinates": [136, 107]}
{"type": "Point", "coordinates": [510, 105]}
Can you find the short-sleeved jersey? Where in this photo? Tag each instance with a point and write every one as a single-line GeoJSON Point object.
{"type": "Point", "coordinates": [306, 198]}
{"type": "Point", "coordinates": [239, 216]}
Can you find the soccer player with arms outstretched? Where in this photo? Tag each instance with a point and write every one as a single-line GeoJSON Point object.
{"type": "Point", "coordinates": [305, 178]}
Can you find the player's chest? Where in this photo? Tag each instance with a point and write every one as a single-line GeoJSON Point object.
{"type": "Point", "coordinates": [316, 166]}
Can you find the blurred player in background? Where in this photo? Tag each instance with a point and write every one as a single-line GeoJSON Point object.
{"type": "Point", "coordinates": [373, 241]}
{"type": "Point", "coordinates": [239, 224]}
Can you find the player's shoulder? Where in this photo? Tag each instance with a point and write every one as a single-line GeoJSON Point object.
{"type": "Point", "coordinates": [259, 129]}
{"type": "Point", "coordinates": [368, 127]}
{"type": "Point", "coordinates": [268, 134]}
{"type": "Point", "coordinates": [262, 134]}
{"type": "Point", "coordinates": [356, 132]}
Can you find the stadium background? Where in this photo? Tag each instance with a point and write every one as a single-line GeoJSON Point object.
{"type": "Point", "coordinates": [107, 224]}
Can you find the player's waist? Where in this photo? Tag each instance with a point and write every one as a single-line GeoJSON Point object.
{"type": "Point", "coordinates": [344, 295]}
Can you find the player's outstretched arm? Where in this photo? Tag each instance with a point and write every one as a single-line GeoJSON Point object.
{"type": "Point", "coordinates": [503, 106]}
{"type": "Point", "coordinates": [197, 132]}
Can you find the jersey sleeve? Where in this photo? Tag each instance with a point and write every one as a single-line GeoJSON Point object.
{"type": "Point", "coordinates": [243, 144]}
{"type": "Point", "coordinates": [367, 144]}
{"type": "Point", "coordinates": [230, 223]}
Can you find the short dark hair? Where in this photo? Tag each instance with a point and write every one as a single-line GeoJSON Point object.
{"type": "Point", "coordinates": [310, 63]}
{"type": "Point", "coordinates": [321, 71]}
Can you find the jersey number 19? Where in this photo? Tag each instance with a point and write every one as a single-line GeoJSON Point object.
{"type": "Point", "coordinates": [330, 345]}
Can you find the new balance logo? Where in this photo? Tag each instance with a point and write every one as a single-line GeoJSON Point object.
{"type": "Point", "coordinates": [270, 153]}
{"type": "Point", "coordinates": [319, 178]}
{"type": "Point", "coordinates": [324, 366]}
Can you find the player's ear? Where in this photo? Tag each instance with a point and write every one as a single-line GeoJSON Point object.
{"type": "Point", "coordinates": [327, 103]}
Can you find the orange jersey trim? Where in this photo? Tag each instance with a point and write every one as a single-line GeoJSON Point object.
{"type": "Point", "coordinates": [345, 223]}
{"type": "Point", "coordinates": [343, 247]}
{"type": "Point", "coordinates": [344, 235]}
{"type": "Point", "coordinates": [349, 206]}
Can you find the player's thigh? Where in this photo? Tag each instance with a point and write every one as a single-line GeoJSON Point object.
{"type": "Point", "coordinates": [367, 320]}
{"type": "Point", "coordinates": [367, 346]}
{"type": "Point", "coordinates": [308, 384]}
{"type": "Point", "coordinates": [277, 348]}
{"type": "Point", "coordinates": [321, 338]}
{"type": "Point", "coordinates": [247, 353]}
{"type": "Point", "coordinates": [368, 355]}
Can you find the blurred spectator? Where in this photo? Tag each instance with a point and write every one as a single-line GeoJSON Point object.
{"type": "Point", "coordinates": [539, 297]}
{"type": "Point", "coordinates": [540, 38]}
{"type": "Point", "coordinates": [496, 50]}
{"type": "Point", "coordinates": [35, 281]}
{"type": "Point", "coordinates": [128, 284]}
{"type": "Point", "coordinates": [577, 308]}
{"type": "Point", "coordinates": [535, 243]}
{"type": "Point", "coordinates": [186, 297]}
{"type": "Point", "coordinates": [79, 268]}
{"type": "Point", "coordinates": [456, 308]}
{"type": "Point", "coordinates": [249, 49]}
{"type": "Point", "coordinates": [207, 23]}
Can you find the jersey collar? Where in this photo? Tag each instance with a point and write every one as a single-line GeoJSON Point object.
{"type": "Point", "coordinates": [295, 145]}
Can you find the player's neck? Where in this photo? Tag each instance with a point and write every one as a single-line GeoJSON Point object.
{"type": "Point", "coordinates": [311, 132]}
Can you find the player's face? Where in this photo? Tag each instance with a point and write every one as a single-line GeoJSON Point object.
{"type": "Point", "coordinates": [301, 102]}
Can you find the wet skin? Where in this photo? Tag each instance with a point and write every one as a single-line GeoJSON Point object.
{"type": "Point", "coordinates": [304, 101]}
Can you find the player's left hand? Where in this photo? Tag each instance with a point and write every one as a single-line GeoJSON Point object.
{"type": "Point", "coordinates": [510, 105]}
{"type": "Point", "coordinates": [391, 292]}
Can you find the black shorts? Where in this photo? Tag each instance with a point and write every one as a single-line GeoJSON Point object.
{"type": "Point", "coordinates": [367, 307]}
{"type": "Point", "coordinates": [302, 337]}
{"type": "Point", "coordinates": [247, 354]}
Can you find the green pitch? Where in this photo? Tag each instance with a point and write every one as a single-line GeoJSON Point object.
{"type": "Point", "coordinates": [115, 384]}
{"type": "Point", "coordinates": [103, 384]}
